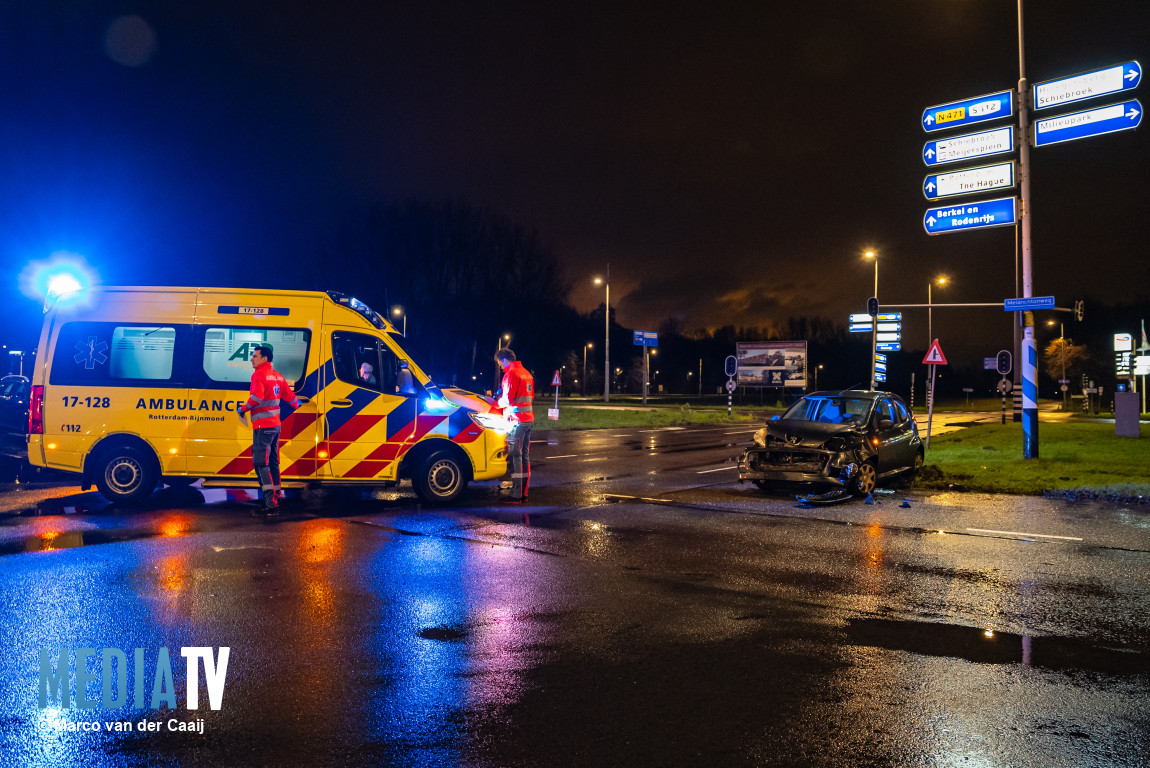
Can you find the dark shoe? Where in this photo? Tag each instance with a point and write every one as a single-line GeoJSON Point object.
{"type": "Point", "coordinates": [266, 513]}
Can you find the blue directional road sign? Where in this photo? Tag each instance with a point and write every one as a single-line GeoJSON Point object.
{"type": "Point", "coordinates": [1028, 303]}
{"type": "Point", "coordinates": [977, 215]}
{"type": "Point", "coordinates": [646, 338]}
{"type": "Point", "coordinates": [1093, 122]}
{"type": "Point", "coordinates": [879, 375]}
{"type": "Point", "coordinates": [968, 181]}
{"type": "Point", "coordinates": [954, 114]}
{"type": "Point", "coordinates": [890, 346]}
{"type": "Point", "coordinates": [1088, 85]}
{"type": "Point", "coordinates": [969, 146]}
{"type": "Point", "coordinates": [860, 327]}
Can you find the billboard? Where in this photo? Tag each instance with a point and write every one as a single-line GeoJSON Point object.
{"type": "Point", "coordinates": [772, 363]}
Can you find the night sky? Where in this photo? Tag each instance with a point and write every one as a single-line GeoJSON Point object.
{"type": "Point", "coordinates": [730, 160]}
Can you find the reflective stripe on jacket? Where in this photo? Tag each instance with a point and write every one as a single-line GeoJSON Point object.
{"type": "Point", "coordinates": [268, 389]}
{"type": "Point", "coordinates": [519, 389]}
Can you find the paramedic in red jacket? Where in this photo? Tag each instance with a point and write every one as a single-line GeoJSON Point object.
{"type": "Point", "coordinates": [268, 389]}
{"type": "Point", "coordinates": [516, 393]}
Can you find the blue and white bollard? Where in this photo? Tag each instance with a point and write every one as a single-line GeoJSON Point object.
{"type": "Point", "coordinates": [1029, 395]}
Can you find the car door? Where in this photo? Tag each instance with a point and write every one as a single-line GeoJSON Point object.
{"type": "Point", "coordinates": [894, 438]}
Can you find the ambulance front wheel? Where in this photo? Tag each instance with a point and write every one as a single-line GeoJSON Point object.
{"type": "Point", "coordinates": [125, 475]}
{"type": "Point", "coordinates": [440, 479]}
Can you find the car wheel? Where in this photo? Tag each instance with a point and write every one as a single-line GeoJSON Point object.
{"type": "Point", "coordinates": [126, 475]}
{"type": "Point", "coordinates": [863, 480]}
{"type": "Point", "coordinates": [440, 479]}
{"type": "Point", "coordinates": [918, 464]}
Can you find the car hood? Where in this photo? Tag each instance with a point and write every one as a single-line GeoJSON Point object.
{"type": "Point", "coordinates": [809, 434]}
{"type": "Point", "coordinates": [465, 399]}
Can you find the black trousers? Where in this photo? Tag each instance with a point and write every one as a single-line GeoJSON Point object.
{"type": "Point", "coordinates": [266, 459]}
{"type": "Point", "coordinates": [519, 451]}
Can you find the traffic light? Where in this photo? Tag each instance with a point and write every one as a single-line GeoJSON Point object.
{"type": "Point", "coordinates": [1079, 310]}
{"type": "Point", "coordinates": [872, 306]}
{"type": "Point", "coordinates": [1004, 362]}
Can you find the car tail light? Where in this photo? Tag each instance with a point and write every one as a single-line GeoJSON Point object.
{"type": "Point", "coordinates": [36, 411]}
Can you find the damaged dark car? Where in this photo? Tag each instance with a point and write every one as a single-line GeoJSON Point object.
{"type": "Point", "coordinates": [849, 440]}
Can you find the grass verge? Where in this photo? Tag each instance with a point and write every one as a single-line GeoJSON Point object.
{"type": "Point", "coordinates": [1075, 459]}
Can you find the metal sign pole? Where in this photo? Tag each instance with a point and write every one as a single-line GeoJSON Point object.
{"type": "Point", "coordinates": [930, 403]}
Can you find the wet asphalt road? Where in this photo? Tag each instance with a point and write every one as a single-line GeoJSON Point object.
{"type": "Point", "coordinates": [644, 610]}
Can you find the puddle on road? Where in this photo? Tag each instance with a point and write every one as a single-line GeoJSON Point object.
{"type": "Point", "coordinates": [984, 646]}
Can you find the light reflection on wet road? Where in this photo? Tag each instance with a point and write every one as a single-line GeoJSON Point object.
{"type": "Point", "coordinates": [644, 610]}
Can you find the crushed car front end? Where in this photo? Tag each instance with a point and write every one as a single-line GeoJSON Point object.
{"type": "Point", "coordinates": [785, 452]}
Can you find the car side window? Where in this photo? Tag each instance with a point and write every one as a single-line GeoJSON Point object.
{"type": "Point", "coordinates": [886, 411]}
{"type": "Point", "coordinates": [902, 412]}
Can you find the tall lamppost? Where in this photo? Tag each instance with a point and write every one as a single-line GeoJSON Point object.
{"type": "Point", "coordinates": [874, 320]}
{"type": "Point", "coordinates": [396, 312]}
{"type": "Point", "coordinates": [1062, 386]}
{"type": "Point", "coordinates": [583, 389]}
{"type": "Point", "coordinates": [818, 368]}
{"type": "Point", "coordinates": [606, 282]}
{"type": "Point", "coordinates": [929, 331]}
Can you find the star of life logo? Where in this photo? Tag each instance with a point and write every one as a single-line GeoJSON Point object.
{"type": "Point", "coordinates": [91, 352]}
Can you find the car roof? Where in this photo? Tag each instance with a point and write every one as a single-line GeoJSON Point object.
{"type": "Point", "coordinates": [861, 394]}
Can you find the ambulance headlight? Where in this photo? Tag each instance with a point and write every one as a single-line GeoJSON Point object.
{"type": "Point", "coordinates": [437, 405]}
{"type": "Point", "coordinates": [492, 421]}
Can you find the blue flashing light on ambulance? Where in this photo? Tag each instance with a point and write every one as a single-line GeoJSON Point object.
{"type": "Point", "coordinates": [138, 384]}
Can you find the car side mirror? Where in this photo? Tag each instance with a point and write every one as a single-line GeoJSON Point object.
{"type": "Point", "coordinates": [885, 423]}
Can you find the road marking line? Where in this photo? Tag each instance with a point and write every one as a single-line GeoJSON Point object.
{"type": "Point", "coordinates": [720, 469]}
{"type": "Point", "coordinates": [564, 456]}
{"type": "Point", "coordinates": [664, 429]}
{"type": "Point", "coordinates": [742, 432]}
{"type": "Point", "coordinates": [1029, 535]}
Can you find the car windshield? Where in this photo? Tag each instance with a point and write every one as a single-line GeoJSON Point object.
{"type": "Point", "coordinates": [830, 410]}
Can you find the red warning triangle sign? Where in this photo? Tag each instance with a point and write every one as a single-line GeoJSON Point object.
{"type": "Point", "coordinates": [934, 356]}
{"type": "Point", "coordinates": [555, 379]}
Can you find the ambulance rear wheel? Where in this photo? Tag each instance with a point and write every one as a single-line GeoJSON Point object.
{"type": "Point", "coordinates": [125, 475]}
{"type": "Point", "coordinates": [439, 479]}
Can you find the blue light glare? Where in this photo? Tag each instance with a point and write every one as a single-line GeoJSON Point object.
{"type": "Point", "coordinates": [437, 405]}
{"type": "Point", "coordinates": [61, 273]}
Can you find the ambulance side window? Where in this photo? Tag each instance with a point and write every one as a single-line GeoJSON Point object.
{"type": "Point", "coordinates": [114, 354]}
{"type": "Point", "coordinates": [228, 354]}
{"type": "Point", "coordinates": [398, 379]}
{"type": "Point", "coordinates": [356, 359]}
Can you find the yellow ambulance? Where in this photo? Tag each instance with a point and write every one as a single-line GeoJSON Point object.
{"type": "Point", "coordinates": [138, 384]}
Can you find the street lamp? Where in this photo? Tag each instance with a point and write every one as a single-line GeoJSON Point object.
{"type": "Point", "coordinates": [606, 283]}
{"type": "Point", "coordinates": [583, 389]}
{"type": "Point", "coordinates": [818, 368]}
{"type": "Point", "coordinates": [396, 312]}
{"type": "Point", "coordinates": [1062, 353]}
{"type": "Point", "coordinates": [929, 331]}
{"type": "Point", "coordinates": [874, 320]}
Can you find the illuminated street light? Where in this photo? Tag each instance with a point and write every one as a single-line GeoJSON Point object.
{"type": "Point", "coordinates": [929, 332]}
{"type": "Point", "coordinates": [583, 389]}
{"type": "Point", "coordinates": [874, 320]}
{"type": "Point", "coordinates": [1062, 353]}
{"type": "Point", "coordinates": [397, 311]}
{"type": "Point", "coordinates": [606, 283]}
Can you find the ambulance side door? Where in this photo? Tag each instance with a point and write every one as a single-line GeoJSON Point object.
{"type": "Point", "coordinates": [364, 417]}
